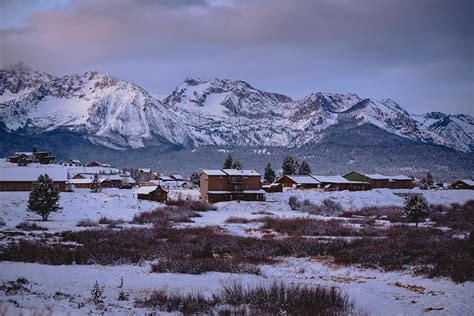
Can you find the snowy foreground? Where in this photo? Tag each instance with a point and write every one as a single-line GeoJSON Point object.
{"type": "Point", "coordinates": [66, 289]}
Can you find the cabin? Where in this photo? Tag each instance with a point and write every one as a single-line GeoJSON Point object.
{"type": "Point", "coordinates": [74, 162]}
{"type": "Point", "coordinates": [152, 193]}
{"type": "Point", "coordinates": [376, 180]}
{"type": "Point", "coordinates": [81, 183]}
{"type": "Point", "coordinates": [230, 185]}
{"type": "Point", "coordinates": [464, 184]}
{"type": "Point", "coordinates": [23, 179]}
{"type": "Point", "coordinates": [401, 182]}
{"type": "Point", "coordinates": [272, 187]}
{"type": "Point", "coordinates": [298, 182]}
{"type": "Point", "coordinates": [94, 164]}
{"type": "Point", "coordinates": [177, 177]}
{"type": "Point", "coordinates": [339, 183]}
{"type": "Point", "coordinates": [42, 157]}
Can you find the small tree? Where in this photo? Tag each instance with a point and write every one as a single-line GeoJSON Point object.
{"type": "Point", "coordinates": [123, 295]}
{"type": "Point", "coordinates": [195, 179]}
{"type": "Point", "coordinates": [305, 169]}
{"type": "Point", "coordinates": [237, 165]}
{"type": "Point", "coordinates": [288, 166]}
{"type": "Point", "coordinates": [228, 163]}
{"type": "Point", "coordinates": [95, 185]}
{"type": "Point", "coordinates": [97, 294]}
{"type": "Point", "coordinates": [269, 175]}
{"type": "Point", "coordinates": [22, 161]}
{"type": "Point", "coordinates": [416, 207]}
{"type": "Point", "coordinates": [44, 197]}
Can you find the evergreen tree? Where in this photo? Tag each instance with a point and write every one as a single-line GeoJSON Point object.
{"type": "Point", "coordinates": [123, 295]}
{"type": "Point", "coordinates": [44, 197]}
{"type": "Point", "coordinates": [304, 169]}
{"type": "Point", "coordinates": [97, 294]}
{"type": "Point", "coordinates": [269, 175]}
{"type": "Point", "coordinates": [237, 165]}
{"type": "Point", "coordinates": [288, 166]}
{"type": "Point", "coordinates": [195, 179]}
{"type": "Point", "coordinates": [22, 161]}
{"type": "Point", "coordinates": [229, 162]}
{"type": "Point", "coordinates": [95, 185]}
{"type": "Point", "coordinates": [416, 207]}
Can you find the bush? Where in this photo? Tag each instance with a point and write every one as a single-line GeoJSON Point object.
{"type": "Point", "coordinates": [87, 223]}
{"type": "Point", "coordinates": [201, 265]}
{"type": "Point", "coordinates": [165, 214]}
{"type": "Point", "coordinates": [2, 222]}
{"type": "Point", "coordinates": [456, 216]}
{"type": "Point", "coordinates": [300, 226]}
{"type": "Point", "coordinates": [273, 299]}
{"type": "Point", "coordinates": [237, 220]}
{"type": "Point", "coordinates": [391, 213]}
{"type": "Point", "coordinates": [112, 223]}
{"type": "Point", "coordinates": [328, 206]}
{"type": "Point", "coordinates": [30, 226]}
{"type": "Point", "coordinates": [192, 205]}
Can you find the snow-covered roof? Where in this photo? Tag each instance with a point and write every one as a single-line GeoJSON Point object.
{"type": "Point", "coordinates": [303, 179]}
{"type": "Point", "coordinates": [377, 176]}
{"type": "Point", "coordinates": [28, 153]}
{"type": "Point", "coordinates": [177, 176]}
{"type": "Point", "coordinates": [214, 172]}
{"type": "Point", "coordinates": [236, 172]}
{"type": "Point", "coordinates": [146, 189]}
{"type": "Point", "coordinates": [166, 178]}
{"type": "Point", "coordinates": [147, 170]}
{"type": "Point", "coordinates": [80, 181]}
{"type": "Point", "coordinates": [330, 179]}
{"type": "Point", "coordinates": [31, 173]}
{"type": "Point", "coordinates": [400, 177]}
{"type": "Point", "coordinates": [468, 182]}
{"type": "Point", "coordinates": [254, 191]}
{"type": "Point", "coordinates": [219, 192]}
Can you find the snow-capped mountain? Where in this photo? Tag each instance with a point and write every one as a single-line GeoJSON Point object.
{"type": "Point", "coordinates": [119, 114]}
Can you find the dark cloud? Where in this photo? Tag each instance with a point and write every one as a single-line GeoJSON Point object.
{"type": "Point", "coordinates": [419, 53]}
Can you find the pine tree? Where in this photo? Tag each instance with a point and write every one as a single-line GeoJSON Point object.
{"type": "Point", "coordinates": [416, 207]}
{"type": "Point", "coordinates": [269, 175]}
{"type": "Point", "coordinates": [229, 162]}
{"type": "Point", "coordinates": [237, 165]}
{"type": "Point", "coordinates": [123, 296]}
{"type": "Point", "coordinates": [44, 197]}
{"type": "Point", "coordinates": [95, 185]}
{"type": "Point", "coordinates": [195, 179]}
{"type": "Point", "coordinates": [304, 169]}
{"type": "Point", "coordinates": [288, 166]}
{"type": "Point", "coordinates": [97, 294]}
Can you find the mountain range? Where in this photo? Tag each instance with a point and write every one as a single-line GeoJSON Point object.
{"type": "Point", "coordinates": [116, 114]}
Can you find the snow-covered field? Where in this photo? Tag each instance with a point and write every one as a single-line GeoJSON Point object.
{"type": "Point", "coordinates": [374, 291]}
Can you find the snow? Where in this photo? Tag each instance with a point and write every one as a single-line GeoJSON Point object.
{"type": "Point", "coordinates": [468, 182]}
{"type": "Point", "coordinates": [78, 205]}
{"type": "Point", "coordinates": [146, 189]}
{"type": "Point", "coordinates": [214, 172]}
{"type": "Point", "coordinates": [236, 172]}
{"type": "Point", "coordinates": [32, 173]}
{"type": "Point", "coordinates": [331, 179]}
{"type": "Point", "coordinates": [303, 179]}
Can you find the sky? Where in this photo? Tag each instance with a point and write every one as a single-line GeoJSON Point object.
{"type": "Point", "coordinates": [419, 53]}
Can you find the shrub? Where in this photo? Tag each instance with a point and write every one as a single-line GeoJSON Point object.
{"type": "Point", "coordinates": [112, 223]}
{"type": "Point", "coordinates": [293, 202]}
{"type": "Point", "coordinates": [201, 265]}
{"type": "Point", "coordinates": [237, 220]}
{"type": "Point", "coordinates": [165, 214]}
{"type": "Point", "coordinates": [328, 206]}
{"type": "Point", "coordinates": [30, 226]}
{"type": "Point", "coordinates": [87, 223]}
{"type": "Point", "coordinates": [15, 287]}
{"type": "Point", "coordinates": [456, 216]}
{"type": "Point", "coordinates": [273, 299]}
{"type": "Point", "coordinates": [390, 213]}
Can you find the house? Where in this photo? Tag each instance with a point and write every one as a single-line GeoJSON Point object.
{"type": "Point", "coordinates": [401, 182]}
{"type": "Point", "coordinates": [230, 184]}
{"type": "Point", "coordinates": [339, 183]}
{"type": "Point", "coordinates": [177, 177]}
{"type": "Point", "coordinates": [79, 183]}
{"type": "Point", "coordinates": [74, 162]}
{"type": "Point", "coordinates": [42, 157]}
{"type": "Point", "coordinates": [152, 193]}
{"type": "Point", "coordinates": [94, 164]}
{"type": "Point", "coordinates": [464, 184]}
{"type": "Point", "coordinates": [300, 182]}
{"type": "Point", "coordinates": [23, 179]}
{"type": "Point", "coordinates": [376, 180]}
{"type": "Point", "coordinates": [272, 187]}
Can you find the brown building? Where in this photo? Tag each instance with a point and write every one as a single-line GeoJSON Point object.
{"type": "Point", "coordinates": [80, 183]}
{"type": "Point", "coordinates": [230, 184]}
{"type": "Point", "coordinates": [401, 182]}
{"type": "Point", "coordinates": [463, 184]}
{"type": "Point", "coordinates": [272, 187]}
{"type": "Point", "coordinates": [339, 183]}
{"type": "Point", "coordinates": [42, 157]}
{"type": "Point", "coordinates": [376, 180]}
{"type": "Point", "coordinates": [298, 182]}
{"type": "Point", "coordinates": [94, 164]}
{"type": "Point", "coordinates": [152, 193]}
{"type": "Point", "coordinates": [23, 178]}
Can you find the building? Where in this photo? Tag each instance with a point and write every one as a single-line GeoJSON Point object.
{"type": "Point", "coordinates": [401, 182]}
{"type": "Point", "coordinates": [152, 193]}
{"type": "Point", "coordinates": [230, 184]}
{"type": "Point", "coordinates": [94, 164]}
{"type": "Point", "coordinates": [177, 177]}
{"type": "Point", "coordinates": [23, 178]}
{"type": "Point", "coordinates": [298, 182]}
{"type": "Point", "coordinates": [339, 183]}
{"type": "Point", "coordinates": [272, 187]}
{"type": "Point", "coordinates": [79, 183]}
{"type": "Point", "coordinates": [464, 184]}
{"type": "Point", "coordinates": [376, 180]}
{"type": "Point", "coordinates": [42, 157]}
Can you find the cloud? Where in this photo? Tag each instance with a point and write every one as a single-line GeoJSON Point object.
{"type": "Point", "coordinates": [417, 52]}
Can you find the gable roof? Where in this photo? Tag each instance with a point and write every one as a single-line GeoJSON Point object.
{"type": "Point", "coordinates": [468, 182]}
{"type": "Point", "coordinates": [331, 179]}
{"type": "Point", "coordinates": [237, 172]}
{"type": "Point", "coordinates": [214, 172]}
{"type": "Point", "coordinates": [302, 179]}
{"type": "Point", "coordinates": [148, 189]}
